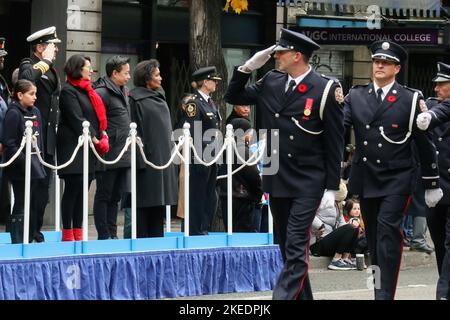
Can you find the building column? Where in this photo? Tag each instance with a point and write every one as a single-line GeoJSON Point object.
{"type": "Point", "coordinates": [84, 31]}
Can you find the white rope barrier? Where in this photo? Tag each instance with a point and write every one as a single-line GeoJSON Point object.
{"type": "Point", "coordinates": [208, 164]}
{"type": "Point", "coordinates": [16, 155]}
{"type": "Point", "coordinates": [65, 165]}
{"type": "Point", "coordinates": [249, 162]}
{"type": "Point", "coordinates": [112, 162]}
{"type": "Point", "coordinates": [185, 142]}
{"type": "Point", "coordinates": [172, 157]}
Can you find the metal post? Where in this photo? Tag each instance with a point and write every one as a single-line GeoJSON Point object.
{"type": "Point", "coordinates": [57, 200]}
{"type": "Point", "coordinates": [168, 219]}
{"type": "Point", "coordinates": [269, 214]}
{"type": "Point", "coordinates": [187, 158]}
{"type": "Point", "coordinates": [85, 180]}
{"type": "Point", "coordinates": [229, 141]}
{"type": "Point", "coordinates": [26, 223]}
{"type": "Point", "coordinates": [133, 133]}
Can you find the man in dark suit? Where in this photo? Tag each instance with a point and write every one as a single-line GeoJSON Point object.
{"type": "Point", "coordinates": [303, 110]}
{"type": "Point", "coordinates": [438, 218]}
{"type": "Point", "coordinates": [203, 115]}
{"type": "Point", "coordinates": [39, 69]}
{"type": "Point", "coordinates": [383, 169]}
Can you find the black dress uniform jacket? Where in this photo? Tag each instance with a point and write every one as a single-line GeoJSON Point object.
{"type": "Point", "coordinates": [441, 138]}
{"type": "Point", "coordinates": [150, 112]}
{"type": "Point", "coordinates": [379, 167]}
{"type": "Point", "coordinates": [76, 107]}
{"type": "Point", "coordinates": [4, 91]}
{"type": "Point", "coordinates": [200, 111]}
{"type": "Point", "coordinates": [118, 115]}
{"type": "Point", "coordinates": [48, 90]}
{"type": "Point", "coordinates": [310, 161]}
{"type": "Point", "coordinates": [13, 132]}
{"type": "Point", "coordinates": [440, 113]}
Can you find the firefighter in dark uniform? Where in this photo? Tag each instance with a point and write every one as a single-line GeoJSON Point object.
{"type": "Point", "coordinates": [383, 169]}
{"type": "Point", "coordinates": [304, 110]}
{"type": "Point", "coordinates": [203, 115]}
{"type": "Point", "coordinates": [39, 69]}
{"type": "Point", "coordinates": [438, 218]}
{"type": "Point", "coordinates": [4, 90]}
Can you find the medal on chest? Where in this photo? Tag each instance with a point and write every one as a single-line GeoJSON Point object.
{"type": "Point", "coordinates": [308, 107]}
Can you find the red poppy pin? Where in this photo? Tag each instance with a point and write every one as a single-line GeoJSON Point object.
{"type": "Point", "coordinates": [35, 124]}
{"type": "Point", "coordinates": [391, 99]}
{"type": "Point", "coordinates": [302, 88]}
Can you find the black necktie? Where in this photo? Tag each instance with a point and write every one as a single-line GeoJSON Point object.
{"type": "Point", "coordinates": [379, 92]}
{"type": "Point", "coordinates": [291, 87]}
{"type": "Point", "coordinates": [211, 103]}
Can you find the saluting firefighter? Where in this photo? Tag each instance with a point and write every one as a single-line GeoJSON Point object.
{"type": "Point", "coordinates": [202, 114]}
{"type": "Point", "coordinates": [303, 109]}
{"type": "Point", "coordinates": [438, 218]}
{"type": "Point", "coordinates": [383, 169]}
{"type": "Point", "coordinates": [39, 69]}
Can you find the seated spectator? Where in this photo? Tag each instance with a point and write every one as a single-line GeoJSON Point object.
{"type": "Point", "coordinates": [246, 185]}
{"type": "Point", "coordinates": [333, 237]}
{"type": "Point", "coordinates": [239, 111]}
{"type": "Point", "coordinates": [352, 211]}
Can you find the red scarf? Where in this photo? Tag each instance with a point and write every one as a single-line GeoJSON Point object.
{"type": "Point", "coordinates": [96, 101]}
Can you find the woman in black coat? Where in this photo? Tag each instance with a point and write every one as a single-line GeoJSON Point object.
{"type": "Point", "coordinates": [21, 110]}
{"type": "Point", "coordinates": [155, 188]}
{"type": "Point", "coordinates": [78, 103]}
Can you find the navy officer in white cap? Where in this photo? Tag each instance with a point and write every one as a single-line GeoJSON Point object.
{"type": "Point", "coordinates": [383, 171]}
{"type": "Point", "coordinates": [304, 110]}
{"type": "Point", "coordinates": [39, 69]}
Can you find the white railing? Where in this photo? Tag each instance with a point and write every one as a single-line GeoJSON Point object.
{"type": "Point", "coordinates": [185, 143]}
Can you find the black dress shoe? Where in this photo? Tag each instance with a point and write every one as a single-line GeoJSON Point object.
{"type": "Point", "coordinates": [38, 237]}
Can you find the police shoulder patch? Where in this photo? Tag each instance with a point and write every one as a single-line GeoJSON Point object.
{"type": "Point", "coordinates": [191, 110]}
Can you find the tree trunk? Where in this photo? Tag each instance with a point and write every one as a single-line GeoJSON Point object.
{"type": "Point", "coordinates": [205, 48]}
{"type": "Point", "coordinates": [205, 43]}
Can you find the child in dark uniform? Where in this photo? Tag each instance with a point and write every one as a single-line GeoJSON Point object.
{"type": "Point", "coordinates": [19, 112]}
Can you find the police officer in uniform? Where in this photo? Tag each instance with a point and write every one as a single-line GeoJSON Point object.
{"type": "Point", "coordinates": [304, 111]}
{"type": "Point", "coordinates": [383, 169]}
{"type": "Point", "coordinates": [39, 69]}
{"type": "Point", "coordinates": [438, 218]}
{"type": "Point", "coordinates": [4, 91]}
{"type": "Point", "coordinates": [202, 114]}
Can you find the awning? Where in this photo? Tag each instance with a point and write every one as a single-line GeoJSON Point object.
{"type": "Point", "coordinates": [410, 8]}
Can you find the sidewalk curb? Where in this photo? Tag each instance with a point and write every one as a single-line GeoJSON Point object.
{"type": "Point", "coordinates": [410, 260]}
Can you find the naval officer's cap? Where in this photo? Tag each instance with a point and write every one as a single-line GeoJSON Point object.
{"type": "Point", "coordinates": [291, 40]}
{"type": "Point", "coordinates": [206, 73]}
{"type": "Point", "coordinates": [443, 72]}
{"type": "Point", "coordinates": [47, 35]}
{"type": "Point", "coordinates": [2, 47]}
{"type": "Point", "coordinates": [388, 50]}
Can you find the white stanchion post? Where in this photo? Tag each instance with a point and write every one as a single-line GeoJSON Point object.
{"type": "Point", "coordinates": [133, 133]}
{"type": "Point", "coordinates": [85, 180]}
{"type": "Point", "coordinates": [57, 202]}
{"type": "Point", "coordinates": [187, 159]}
{"type": "Point", "coordinates": [270, 218]}
{"type": "Point", "coordinates": [168, 219]}
{"type": "Point", "coordinates": [26, 223]}
{"type": "Point", "coordinates": [229, 137]}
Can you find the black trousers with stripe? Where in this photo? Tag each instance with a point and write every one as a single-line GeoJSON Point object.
{"type": "Point", "coordinates": [293, 218]}
{"type": "Point", "coordinates": [383, 220]}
